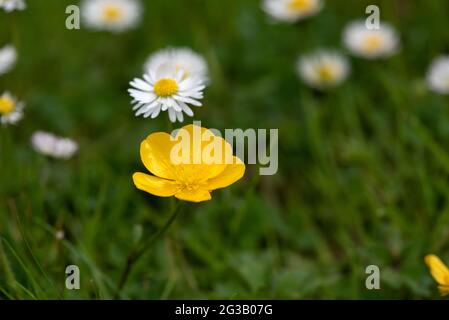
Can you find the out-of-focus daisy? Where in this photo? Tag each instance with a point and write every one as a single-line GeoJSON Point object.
{"type": "Point", "coordinates": [292, 10]}
{"type": "Point", "coordinates": [166, 88]}
{"type": "Point", "coordinates": [111, 15]}
{"type": "Point", "coordinates": [438, 75]}
{"type": "Point", "coordinates": [371, 44]}
{"type": "Point", "coordinates": [323, 69]}
{"type": "Point", "coordinates": [11, 110]}
{"type": "Point", "coordinates": [8, 57]}
{"type": "Point", "coordinates": [439, 272]}
{"type": "Point", "coordinates": [11, 5]}
{"type": "Point", "coordinates": [192, 63]}
{"type": "Point", "coordinates": [60, 234]}
{"type": "Point", "coordinates": [53, 146]}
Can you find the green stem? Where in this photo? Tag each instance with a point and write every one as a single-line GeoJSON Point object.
{"type": "Point", "coordinates": [143, 247]}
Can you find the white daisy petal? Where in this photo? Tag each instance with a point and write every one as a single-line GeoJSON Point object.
{"type": "Point", "coordinates": [189, 100]}
{"type": "Point", "coordinates": [138, 105]}
{"type": "Point", "coordinates": [438, 75]}
{"type": "Point", "coordinates": [186, 109]}
{"type": "Point", "coordinates": [50, 145]}
{"type": "Point", "coordinates": [172, 115]}
{"type": "Point", "coordinates": [183, 59]}
{"type": "Point", "coordinates": [180, 116]}
{"type": "Point", "coordinates": [140, 84]}
{"type": "Point", "coordinates": [156, 112]}
{"type": "Point", "coordinates": [147, 107]}
{"type": "Point", "coordinates": [8, 58]}
{"type": "Point", "coordinates": [176, 106]}
{"type": "Point", "coordinates": [150, 77]}
{"type": "Point", "coordinates": [145, 97]}
{"type": "Point", "coordinates": [11, 5]}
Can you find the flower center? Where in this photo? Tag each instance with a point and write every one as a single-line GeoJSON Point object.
{"type": "Point", "coordinates": [6, 105]}
{"type": "Point", "coordinates": [326, 72]}
{"type": "Point", "coordinates": [112, 13]}
{"type": "Point", "coordinates": [191, 187]}
{"type": "Point", "coordinates": [300, 5]}
{"type": "Point", "coordinates": [372, 42]}
{"type": "Point", "coordinates": [165, 87]}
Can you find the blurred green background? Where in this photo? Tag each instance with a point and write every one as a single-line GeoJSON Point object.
{"type": "Point", "coordinates": [363, 169]}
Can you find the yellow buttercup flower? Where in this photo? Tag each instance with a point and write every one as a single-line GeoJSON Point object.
{"type": "Point", "coordinates": [439, 272]}
{"type": "Point", "coordinates": [188, 165]}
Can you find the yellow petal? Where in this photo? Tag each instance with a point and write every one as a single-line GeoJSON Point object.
{"type": "Point", "coordinates": [444, 290]}
{"type": "Point", "coordinates": [154, 185]}
{"type": "Point", "coordinates": [155, 154]}
{"type": "Point", "coordinates": [194, 196]}
{"type": "Point", "coordinates": [205, 155]}
{"type": "Point", "coordinates": [231, 174]}
{"type": "Point", "coordinates": [438, 269]}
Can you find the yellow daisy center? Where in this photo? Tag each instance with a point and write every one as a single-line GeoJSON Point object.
{"type": "Point", "coordinates": [112, 13]}
{"type": "Point", "coordinates": [326, 72]}
{"type": "Point", "coordinates": [165, 87]}
{"type": "Point", "coordinates": [300, 5]}
{"type": "Point", "coordinates": [6, 105]}
{"type": "Point", "coordinates": [372, 42]}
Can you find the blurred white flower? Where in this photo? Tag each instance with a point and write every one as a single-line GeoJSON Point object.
{"type": "Point", "coordinates": [323, 68]}
{"type": "Point", "coordinates": [11, 110]}
{"type": "Point", "coordinates": [192, 63]}
{"type": "Point", "coordinates": [53, 146]}
{"type": "Point", "coordinates": [8, 58]}
{"type": "Point", "coordinates": [292, 10]}
{"type": "Point", "coordinates": [60, 234]}
{"type": "Point", "coordinates": [371, 44]}
{"type": "Point", "coordinates": [166, 88]}
{"type": "Point", "coordinates": [111, 15]}
{"type": "Point", "coordinates": [11, 5]}
{"type": "Point", "coordinates": [438, 75]}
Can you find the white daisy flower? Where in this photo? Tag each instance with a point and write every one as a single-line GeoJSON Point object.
{"type": "Point", "coordinates": [438, 75]}
{"type": "Point", "coordinates": [60, 234]}
{"type": "Point", "coordinates": [166, 88]}
{"type": "Point", "coordinates": [8, 58]}
{"type": "Point", "coordinates": [11, 110]}
{"type": "Point", "coordinates": [371, 44]}
{"type": "Point", "coordinates": [292, 10]}
{"type": "Point", "coordinates": [323, 69]}
{"type": "Point", "coordinates": [111, 15]}
{"type": "Point", "coordinates": [11, 5]}
{"type": "Point", "coordinates": [51, 145]}
{"type": "Point", "coordinates": [192, 63]}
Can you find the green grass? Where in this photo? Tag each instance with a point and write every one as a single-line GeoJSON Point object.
{"type": "Point", "coordinates": [363, 169]}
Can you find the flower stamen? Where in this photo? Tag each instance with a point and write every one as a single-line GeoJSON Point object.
{"type": "Point", "coordinates": [112, 13]}
{"type": "Point", "coordinates": [300, 5]}
{"type": "Point", "coordinates": [6, 105]}
{"type": "Point", "coordinates": [326, 73]}
{"type": "Point", "coordinates": [165, 87]}
{"type": "Point", "coordinates": [372, 42]}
